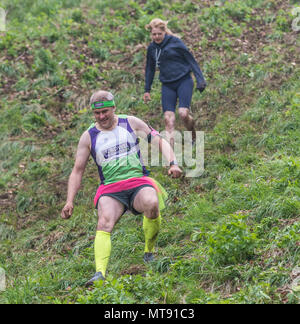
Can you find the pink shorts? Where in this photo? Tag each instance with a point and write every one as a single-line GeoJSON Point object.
{"type": "Point", "coordinates": [122, 186]}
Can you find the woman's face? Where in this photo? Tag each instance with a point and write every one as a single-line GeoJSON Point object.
{"type": "Point", "coordinates": [157, 35]}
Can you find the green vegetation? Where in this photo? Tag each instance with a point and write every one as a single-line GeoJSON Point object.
{"type": "Point", "coordinates": [229, 236]}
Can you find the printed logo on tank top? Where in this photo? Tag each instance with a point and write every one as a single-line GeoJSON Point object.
{"type": "Point", "coordinates": [113, 145]}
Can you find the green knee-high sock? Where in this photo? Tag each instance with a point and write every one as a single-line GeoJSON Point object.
{"type": "Point", "coordinates": [151, 228]}
{"type": "Point", "coordinates": [102, 251]}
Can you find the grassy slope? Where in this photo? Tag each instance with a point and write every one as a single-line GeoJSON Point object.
{"type": "Point", "coordinates": [230, 236]}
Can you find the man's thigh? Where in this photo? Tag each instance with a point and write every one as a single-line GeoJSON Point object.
{"type": "Point", "coordinates": [109, 212]}
{"type": "Point", "coordinates": [145, 199]}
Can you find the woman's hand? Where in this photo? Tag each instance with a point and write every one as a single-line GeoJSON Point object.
{"type": "Point", "coordinates": [201, 87]}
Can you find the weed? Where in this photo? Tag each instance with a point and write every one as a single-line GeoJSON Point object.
{"type": "Point", "coordinates": [232, 241]}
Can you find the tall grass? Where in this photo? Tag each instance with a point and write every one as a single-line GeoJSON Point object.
{"type": "Point", "coordinates": [229, 236]}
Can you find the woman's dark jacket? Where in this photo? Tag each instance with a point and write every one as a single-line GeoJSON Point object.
{"type": "Point", "coordinates": [174, 61]}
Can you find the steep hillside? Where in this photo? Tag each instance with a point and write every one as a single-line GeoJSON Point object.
{"type": "Point", "coordinates": [229, 236]}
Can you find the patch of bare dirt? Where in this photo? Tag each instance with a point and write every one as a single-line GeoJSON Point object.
{"type": "Point", "coordinates": [134, 270]}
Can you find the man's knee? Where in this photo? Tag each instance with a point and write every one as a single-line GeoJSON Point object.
{"type": "Point", "coordinates": [152, 207]}
{"type": "Point", "coordinates": [147, 203]}
{"type": "Point", "coordinates": [105, 224]}
{"type": "Point", "coordinates": [151, 203]}
{"type": "Point", "coordinates": [109, 212]}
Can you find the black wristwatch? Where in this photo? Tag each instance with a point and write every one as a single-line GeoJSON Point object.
{"type": "Point", "coordinates": [174, 162]}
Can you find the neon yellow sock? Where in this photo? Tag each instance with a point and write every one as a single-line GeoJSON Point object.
{"type": "Point", "coordinates": [151, 228]}
{"type": "Point", "coordinates": [102, 251]}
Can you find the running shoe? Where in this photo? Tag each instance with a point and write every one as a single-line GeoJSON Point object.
{"type": "Point", "coordinates": [98, 276]}
{"type": "Point", "coordinates": [148, 257]}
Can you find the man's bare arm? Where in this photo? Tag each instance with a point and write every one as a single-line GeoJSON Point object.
{"type": "Point", "coordinates": [82, 156]}
{"type": "Point", "coordinates": [143, 130]}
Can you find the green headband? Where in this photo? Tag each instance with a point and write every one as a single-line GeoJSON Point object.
{"type": "Point", "coordinates": [103, 104]}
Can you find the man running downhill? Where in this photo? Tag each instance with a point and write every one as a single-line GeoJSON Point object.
{"type": "Point", "coordinates": [113, 143]}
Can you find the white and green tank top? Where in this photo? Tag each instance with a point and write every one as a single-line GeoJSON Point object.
{"type": "Point", "coordinates": [116, 152]}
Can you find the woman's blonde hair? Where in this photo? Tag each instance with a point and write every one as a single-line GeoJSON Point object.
{"type": "Point", "coordinates": [159, 23]}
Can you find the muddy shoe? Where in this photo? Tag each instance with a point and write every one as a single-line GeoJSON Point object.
{"type": "Point", "coordinates": [148, 257]}
{"type": "Point", "coordinates": [98, 276]}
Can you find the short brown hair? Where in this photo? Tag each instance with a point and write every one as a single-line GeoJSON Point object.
{"type": "Point", "coordinates": [101, 95]}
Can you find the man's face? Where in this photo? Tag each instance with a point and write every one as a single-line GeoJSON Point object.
{"type": "Point", "coordinates": [105, 117]}
{"type": "Point", "coordinates": [157, 35]}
